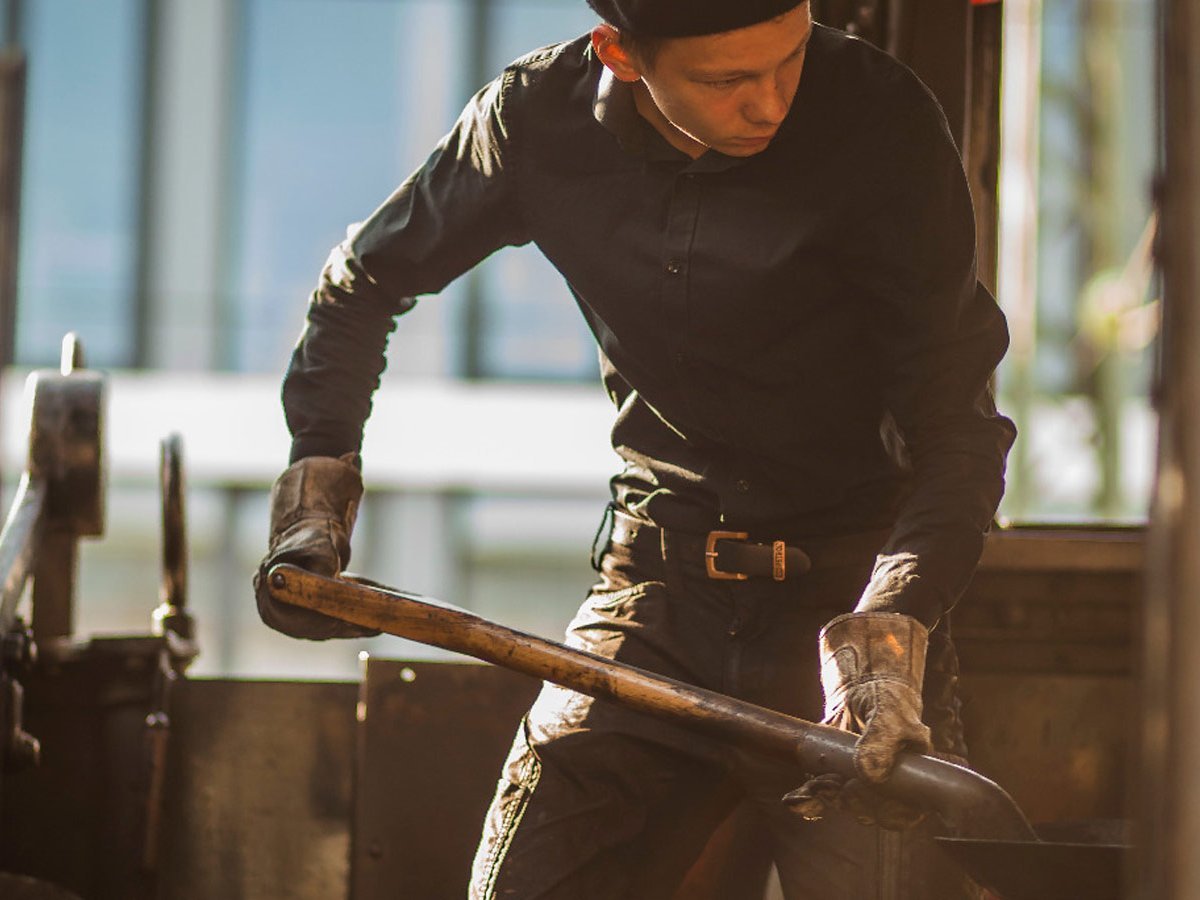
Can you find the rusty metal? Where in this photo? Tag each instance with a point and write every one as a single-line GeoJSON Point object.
{"type": "Point", "coordinates": [172, 618]}
{"type": "Point", "coordinates": [19, 750]}
{"type": "Point", "coordinates": [65, 441]}
{"type": "Point", "coordinates": [175, 625]}
{"type": "Point", "coordinates": [431, 738]}
{"type": "Point", "coordinates": [174, 532]}
{"type": "Point", "coordinates": [105, 704]}
{"type": "Point", "coordinates": [65, 453]}
{"type": "Point", "coordinates": [971, 805]}
{"type": "Point", "coordinates": [39, 535]}
{"type": "Point", "coordinates": [260, 800]}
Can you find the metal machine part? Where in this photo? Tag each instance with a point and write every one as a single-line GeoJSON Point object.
{"type": "Point", "coordinates": [60, 497]}
{"type": "Point", "coordinates": [101, 708]}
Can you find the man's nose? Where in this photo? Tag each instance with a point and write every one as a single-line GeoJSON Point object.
{"type": "Point", "coordinates": [769, 105]}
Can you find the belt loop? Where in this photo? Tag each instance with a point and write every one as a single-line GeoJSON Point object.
{"type": "Point", "coordinates": [603, 539]}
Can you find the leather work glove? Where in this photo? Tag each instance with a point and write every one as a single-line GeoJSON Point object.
{"type": "Point", "coordinates": [313, 507]}
{"type": "Point", "coordinates": [872, 667]}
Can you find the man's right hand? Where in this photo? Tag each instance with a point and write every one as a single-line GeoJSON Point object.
{"type": "Point", "coordinates": [313, 507]}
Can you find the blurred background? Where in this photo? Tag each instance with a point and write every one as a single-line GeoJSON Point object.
{"type": "Point", "coordinates": [189, 163]}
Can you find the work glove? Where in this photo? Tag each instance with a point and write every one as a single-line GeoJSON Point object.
{"type": "Point", "coordinates": [872, 668]}
{"type": "Point", "coordinates": [313, 506]}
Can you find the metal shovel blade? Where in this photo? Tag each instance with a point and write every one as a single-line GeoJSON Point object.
{"type": "Point", "coordinates": [1041, 870]}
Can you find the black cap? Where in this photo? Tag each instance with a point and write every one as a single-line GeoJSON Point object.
{"type": "Point", "coordinates": [688, 18]}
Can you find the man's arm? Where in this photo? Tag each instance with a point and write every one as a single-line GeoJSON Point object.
{"type": "Point", "coordinates": [939, 335]}
{"type": "Point", "coordinates": [454, 211]}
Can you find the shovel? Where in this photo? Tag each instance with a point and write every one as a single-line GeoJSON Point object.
{"type": "Point", "coordinates": [988, 836]}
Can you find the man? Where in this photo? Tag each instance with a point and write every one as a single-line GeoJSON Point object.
{"type": "Point", "coordinates": [766, 225]}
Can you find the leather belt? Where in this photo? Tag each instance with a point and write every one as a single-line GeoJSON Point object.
{"type": "Point", "coordinates": [732, 556]}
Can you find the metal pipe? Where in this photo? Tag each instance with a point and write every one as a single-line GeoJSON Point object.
{"type": "Point", "coordinates": [971, 805]}
{"type": "Point", "coordinates": [18, 545]}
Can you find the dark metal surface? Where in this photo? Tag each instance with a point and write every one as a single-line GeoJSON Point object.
{"type": "Point", "coordinates": [173, 591]}
{"type": "Point", "coordinates": [66, 454]}
{"type": "Point", "coordinates": [1046, 635]}
{"type": "Point", "coordinates": [22, 887]}
{"type": "Point", "coordinates": [77, 819]}
{"type": "Point", "coordinates": [65, 442]}
{"type": "Point", "coordinates": [38, 540]}
{"type": "Point", "coordinates": [172, 617]}
{"type": "Point", "coordinates": [431, 739]}
{"type": "Point", "coordinates": [1059, 743]}
{"type": "Point", "coordinates": [1054, 602]}
{"type": "Point", "coordinates": [1021, 870]}
{"type": "Point", "coordinates": [258, 806]}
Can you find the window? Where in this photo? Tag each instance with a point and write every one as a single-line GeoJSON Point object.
{"type": "Point", "coordinates": [81, 191]}
{"type": "Point", "coordinates": [340, 101]}
{"type": "Point", "coordinates": [1075, 268]}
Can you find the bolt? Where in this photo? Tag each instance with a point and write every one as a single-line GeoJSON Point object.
{"type": "Point", "coordinates": [278, 580]}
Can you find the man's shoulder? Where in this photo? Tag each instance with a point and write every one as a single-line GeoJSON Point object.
{"type": "Point", "coordinates": [563, 61]}
{"type": "Point", "coordinates": [553, 83]}
{"type": "Point", "coordinates": [865, 75]}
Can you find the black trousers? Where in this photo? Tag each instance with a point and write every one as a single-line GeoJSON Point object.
{"type": "Point", "coordinates": [595, 801]}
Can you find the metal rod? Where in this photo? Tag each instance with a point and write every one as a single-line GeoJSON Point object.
{"type": "Point", "coordinates": [18, 545]}
{"type": "Point", "coordinates": [971, 805]}
{"type": "Point", "coordinates": [173, 590]}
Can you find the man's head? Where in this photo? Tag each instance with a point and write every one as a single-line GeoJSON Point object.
{"type": "Point", "coordinates": [687, 18]}
{"type": "Point", "coordinates": [700, 80]}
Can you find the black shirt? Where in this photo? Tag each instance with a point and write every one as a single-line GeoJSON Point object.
{"type": "Point", "coordinates": [795, 341]}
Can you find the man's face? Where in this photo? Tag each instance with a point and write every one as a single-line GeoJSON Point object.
{"type": "Point", "coordinates": [728, 91]}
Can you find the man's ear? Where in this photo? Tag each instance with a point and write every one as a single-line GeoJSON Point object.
{"type": "Point", "coordinates": [606, 42]}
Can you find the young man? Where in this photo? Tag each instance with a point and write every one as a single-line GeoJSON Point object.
{"type": "Point", "coordinates": [767, 227]}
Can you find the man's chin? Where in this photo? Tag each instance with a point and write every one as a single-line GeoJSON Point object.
{"type": "Point", "coordinates": [745, 146]}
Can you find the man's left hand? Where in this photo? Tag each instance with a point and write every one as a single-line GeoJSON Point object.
{"type": "Point", "coordinates": [872, 667]}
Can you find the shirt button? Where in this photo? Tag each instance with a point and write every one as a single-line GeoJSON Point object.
{"type": "Point", "coordinates": [742, 485]}
{"type": "Point", "coordinates": [674, 267]}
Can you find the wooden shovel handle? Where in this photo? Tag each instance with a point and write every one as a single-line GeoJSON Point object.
{"type": "Point", "coordinates": [967, 800]}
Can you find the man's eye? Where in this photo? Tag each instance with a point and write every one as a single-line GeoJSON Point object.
{"type": "Point", "coordinates": [724, 83]}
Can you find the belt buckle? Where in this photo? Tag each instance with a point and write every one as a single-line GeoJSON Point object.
{"type": "Point", "coordinates": [710, 554]}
